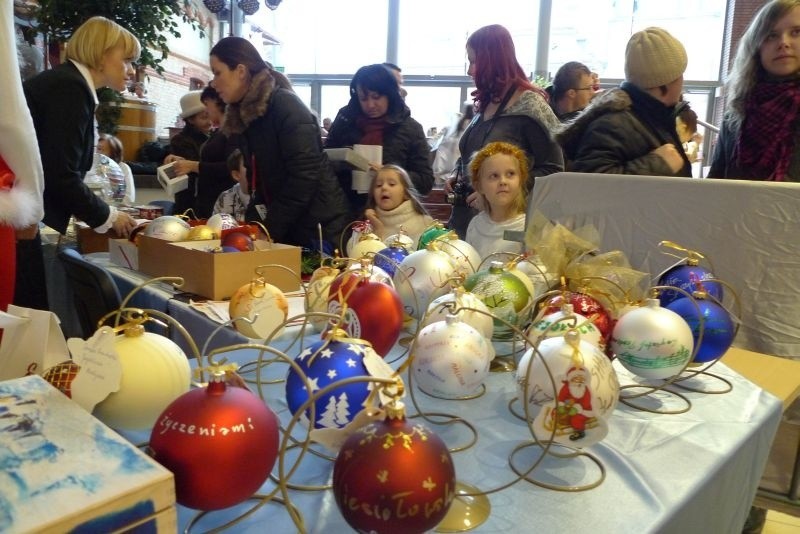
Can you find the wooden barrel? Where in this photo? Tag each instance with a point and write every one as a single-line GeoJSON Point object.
{"type": "Point", "coordinates": [137, 126]}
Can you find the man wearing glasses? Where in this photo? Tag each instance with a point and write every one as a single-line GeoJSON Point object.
{"type": "Point", "coordinates": [631, 129]}
{"type": "Point", "coordinates": [573, 88]}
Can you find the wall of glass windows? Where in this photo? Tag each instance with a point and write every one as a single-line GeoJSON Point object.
{"type": "Point", "coordinates": [324, 42]}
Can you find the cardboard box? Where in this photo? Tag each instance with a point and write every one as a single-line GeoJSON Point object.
{"type": "Point", "coordinates": [90, 241]}
{"type": "Point", "coordinates": [63, 470]}
{"type": "Point", "coordinates": [218, 275]}
{"type": "Point", "coordinates": [123, 253]}
{"type": "Point", "coordinates": [170, 180]}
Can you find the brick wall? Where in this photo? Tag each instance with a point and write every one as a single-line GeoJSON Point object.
{"type": "Point", "coordinates": [166, 90]}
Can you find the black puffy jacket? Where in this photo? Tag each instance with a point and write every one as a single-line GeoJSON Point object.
{"type": "Point", "coordinates": [284, 157]}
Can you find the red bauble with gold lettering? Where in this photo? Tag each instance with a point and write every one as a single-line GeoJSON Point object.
{"type": "Point", "coordinates": [394, 476]}
{"type": "Point", "coordinates": [374, 310]}
{"type": "Point", "coordinates": [219, 441]}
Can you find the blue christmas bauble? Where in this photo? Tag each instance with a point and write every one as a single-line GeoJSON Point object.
{"type": "Point", "coordinates": [718, 327]}
{"type": "Point", "coordinates": [323, 365]}
{"type": "Point", "coordinates": [689, 278]}
{"type": "Point", "coordinates": [389, 258]}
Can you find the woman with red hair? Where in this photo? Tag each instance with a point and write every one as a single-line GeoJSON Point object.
{"type": "Point", "coordinates": [508, 108]}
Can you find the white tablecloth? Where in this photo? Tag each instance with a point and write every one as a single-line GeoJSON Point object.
{"type": "Point", "coordinates": [695, 472]}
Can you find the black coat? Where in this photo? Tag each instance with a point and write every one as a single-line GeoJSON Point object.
{"type": "Point", "coordinates": [188, 144]}
{"type": "Point", "coordinates": [404, 144]}
{"type": "Point", "coordinates": [214, 176]}
{"type": "Point", "coordinates": [284, 156]}
{"type": "Point", "coordinates": [725, 165]}
{"type": "Point", "coordinates": [62, 106]}
{"type": "Point", "coordinates": [617, 133]}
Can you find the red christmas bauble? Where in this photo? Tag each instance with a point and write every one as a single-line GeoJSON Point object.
{"type": "Point", "coordinates": [587, 306]}
{"type": "Point", "coordinates": [394, 476]}
{"type": "Point", "coordinates": [220, 442]}
{"type": "Point", "coordinates": [374, 310]}
{"type": "Point", "coordinates": [238, 240]}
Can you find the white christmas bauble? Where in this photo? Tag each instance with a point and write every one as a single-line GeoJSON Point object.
{"type": "Point", "coordinates": [421, 277]}
{"type": "Point", "coordinates": [317, 295]}
{"type": "Point", "coordinates": [557, 324]}
{"type": "Point", "coordinates": [263, 307]}
{"type": "Point", "coordinates": [585, 394]}
{"type": "Point", "coordinates": [373, 272]}
{"type": "Point", "coordinates": [401, 239]}
{"type": "Point", "coordinates": [466, 257]}
{"type": "Point", "coordinates": [438, 311]}
{"type": "Point", "coordinates": [155, 372]}
{"type": "Point", "coordinates": [450, 359]}
{"type": "Point", "coordinates": [362, 244]}
{"type": "Point", "coordinates": [168, 228]}
{"type": "Point", "coordinates": [221, 221]}
{"type": "Point", "coordinates": [652, 342]}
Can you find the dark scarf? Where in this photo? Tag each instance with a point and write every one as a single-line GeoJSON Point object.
{"type": "Point", "coordinates": [372, 130]}
{"type": "Point", "coordinates": [767, 136]}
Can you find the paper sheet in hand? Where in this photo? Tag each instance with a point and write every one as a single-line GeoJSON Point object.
{"type": "Point", "coordinates": [170, 180]}
{"type": "Point", "coordinates": [349, 156]}
{"type": "Point", "coordinates": [373, 154]}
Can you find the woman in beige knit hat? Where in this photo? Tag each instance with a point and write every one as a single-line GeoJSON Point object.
{"type": "Point", "coordinates": [759, 135]}
{"type": "Point", "coordinates": [631, 129]}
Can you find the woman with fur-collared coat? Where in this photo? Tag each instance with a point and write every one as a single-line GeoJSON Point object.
{"type": "Point", "coordinates": [294, 188]}
{"type": "Point", "coordinates": [377, 115]}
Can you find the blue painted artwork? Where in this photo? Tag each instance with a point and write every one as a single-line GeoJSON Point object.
{"type": "Point", "coordinates": [59, 465]}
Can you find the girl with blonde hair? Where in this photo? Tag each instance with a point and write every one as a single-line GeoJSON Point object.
{"type": "Point", "coordinates": [499, 173]}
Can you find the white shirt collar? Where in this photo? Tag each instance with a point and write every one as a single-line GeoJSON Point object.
{"type": "Point", "coordinates": [84, 70]}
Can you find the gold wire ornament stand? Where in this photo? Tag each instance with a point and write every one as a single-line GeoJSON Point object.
{"type": "Point", "coordinates": [688, 372]}
{"type": "Point", "coordinates": [471, 506]}
{"type": "Point", "coordinates": [549, 446]}
{"type": "Point", "coordinates": [468, 502]}
{"type": "Point", "coordinates": [702, 370]}
{"type": "Point", "coordinates": [651, 391]}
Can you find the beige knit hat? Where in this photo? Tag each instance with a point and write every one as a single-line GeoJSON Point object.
{"type": "Point", "coordinates": [191, 104]}
{"type": "Point", "coordinates": [653, 58]}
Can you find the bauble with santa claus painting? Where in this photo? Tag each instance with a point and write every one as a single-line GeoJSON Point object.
{"type": "Point", "coordinates": [576, 412]}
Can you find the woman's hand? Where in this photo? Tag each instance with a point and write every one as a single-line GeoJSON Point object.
{"type": "Point", "coordinates": [185, 166]}
{"type": "Point", "coordinates": [124, 224]}
{"type": "Point", "coordinates": [171, 157]}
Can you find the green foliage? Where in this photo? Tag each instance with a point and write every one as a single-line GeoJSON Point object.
{"type": "Point", "coordinates": [149, 20]}
{"type": "Point", "coordinates": [108, 111]}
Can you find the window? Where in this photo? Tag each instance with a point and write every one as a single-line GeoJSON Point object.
{"type": "Point", "coordinates": [323, 43]}
{"type": "Point", "coordinates": [322, 36]}
{"type": "Point", "coordinates": [595, 33]}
